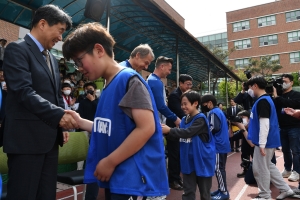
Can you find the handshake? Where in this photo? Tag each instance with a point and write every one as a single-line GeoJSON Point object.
{"type": "Point", "coordinates": [70, 120]}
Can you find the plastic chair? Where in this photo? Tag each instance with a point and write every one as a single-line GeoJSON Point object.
{"type": "Point", "coordinates": [3, 170]}
{"type": "Point", "coordinates": [74, 150]}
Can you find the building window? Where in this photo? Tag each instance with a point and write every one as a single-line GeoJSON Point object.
{"type": "Point", "coordinates": [242, 44]}
{"type": "Point", "coordinates": [294, 36]}
{"type": "Point", "coordinates": [292, 16]}
{"type": "Point", "coordinates": [268, 40]}
{"type": "Point", "coordinates": [239, 26]}
{"type": "Point", "coordinates": [242, 63]}
{"type": "Point", "coordinates": [294, 57]}
{"type": "Point", "coordinates": [266, 21]}
{"type": "Point", "coordinates": [273, 57]}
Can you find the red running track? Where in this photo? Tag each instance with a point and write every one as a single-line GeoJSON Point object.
{"type": "Point", "coordinates": [237, 188]}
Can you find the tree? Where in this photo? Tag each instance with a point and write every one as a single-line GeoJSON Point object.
{"type": "Point", "coordinates": [264, 67]}
{"type": "Point", "coordinates": [222, 55]}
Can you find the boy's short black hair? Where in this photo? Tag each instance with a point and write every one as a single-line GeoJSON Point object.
{"type": "Point", "coordinates": [208, 97]}
{"type": "Point", "coordinates": [289, 76]}
{"type": "Point", "coordinates": [85, 37]}
{"type": "Point", "coordinates": [64, 85]}
{"type": "Point", "coordinates": [192, 96]}
{"type": "Point", "coordinates": [162, 59]}
{"type": "Point", "coordinates": [90, 84]}
{"type": "Point", "coordinates": [244, 113]}
{"type": "Point", "coordinates": [219, 104]}
{"type": "Point", "coordinates": [185, 77]}
{"type": "Point", "coordinates": [260, 81]}
{"type": "Point", "coordinates": [53, 15]}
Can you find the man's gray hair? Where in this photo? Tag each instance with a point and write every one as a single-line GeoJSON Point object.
{"type": "Point", "coordinates": [144, 50]}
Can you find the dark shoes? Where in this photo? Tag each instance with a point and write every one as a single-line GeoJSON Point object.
{"type": "Point", "coordinates": [241, 175]}
{"type": "Point", "coordinates": [176, 185]}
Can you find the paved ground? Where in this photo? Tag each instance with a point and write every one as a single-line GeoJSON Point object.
{"type": "Point", "coordinates": [237, 188]}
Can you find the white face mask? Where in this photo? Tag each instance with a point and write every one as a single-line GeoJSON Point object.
{"type": "Point", "coordinates": [67, 82]}
{"type": "Point", "coordinates": [251, 93]}
{"type": "Point", "coordinates": [67, 92]}
{"type": "Point", "coordinates": [245, 122]}
{"type": "Point", "coordinates": [286, 86]}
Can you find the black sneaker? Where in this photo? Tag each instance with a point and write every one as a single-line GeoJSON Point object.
{"type": "Point", "coordinates": [241, 175]}
{"type": "Point", "coordinates": [175, 186]}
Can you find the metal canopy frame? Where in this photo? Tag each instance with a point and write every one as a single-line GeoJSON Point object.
{"type": "Point", "coordinates": [133, 22]}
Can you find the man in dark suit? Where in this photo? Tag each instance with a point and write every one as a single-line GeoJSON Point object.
{"type": "Point", "coordinates": [34, 114]}
{"type": "Point", "coordinates": [232, 111]}
{"type": "Point", "coordinates": [173, 147]}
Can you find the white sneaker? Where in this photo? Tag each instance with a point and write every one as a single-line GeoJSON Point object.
{"type": "Point", "coordinates": [286, 174]}
{"type": "Point", "coordinates": [294, 176]}
{"type": "Point", "coordinates": [283, 195]}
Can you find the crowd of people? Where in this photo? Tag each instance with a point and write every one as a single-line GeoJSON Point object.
{"type": "Point", "coordinates": [127, 124]}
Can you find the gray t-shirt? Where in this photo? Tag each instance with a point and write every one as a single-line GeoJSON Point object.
{"type": "Point", "coordinates": [137, 97]}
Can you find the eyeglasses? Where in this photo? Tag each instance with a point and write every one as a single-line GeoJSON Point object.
{"type": "Point", "coordinates": [78, 62]}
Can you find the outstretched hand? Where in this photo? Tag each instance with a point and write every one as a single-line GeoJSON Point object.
{"type": "Point", "coordinates": [68, 122]}
{"type": "Point", "coordinates": [292, 112]}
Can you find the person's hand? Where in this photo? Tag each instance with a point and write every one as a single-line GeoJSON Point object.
{"type": "Point", "coordinates": [4, 87]}
{"type": "Point", "coordinates": [66, 136]}
{"type": "Point", "coordinates": [165, 128]}
{"type": "Point", "coordinates": [75, 116]}
{"type": "Point", "coordinates": [289, 111]}
{"type": "Point", "coordinates": [104, 170]}
{"type": "Point", "coordinates": [68, 122]}
{"type": "Point", "coordinates": [262, 151]}
{"type": "Point", "coordinates": [274, 92]}
{"type": "Point", "coordinates": [177, 122]}
{"type": "Point", "coordinates": [90, 97]}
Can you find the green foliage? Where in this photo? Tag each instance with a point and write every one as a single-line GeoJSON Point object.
{"type": "Point", "coordinates": [265, 66]}
{"type": "Point", "coordinates": [296, 77]}
{"type": "Point", "coordinates": [232, 92]}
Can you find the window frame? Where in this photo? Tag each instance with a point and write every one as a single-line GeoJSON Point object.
{"type": "Point", "coordinates": [267, 40]}
{"type": "Point", "coordinates": [298, 57]}
{"type": "Point", "coordinates": [292, 18]}
{"type": "Point", "coordinates": [235, 25]}
{"type": "Point", "coordinates": [242, 43]}
{"type": "Point", "coordinates": [265, 20]}
{"type": "Point", "coordinates": [297, 36]}
{"type": "Point", "coordinates": [244, 65]}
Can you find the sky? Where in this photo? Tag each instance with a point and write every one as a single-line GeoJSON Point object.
{"type": "Point", "coordinates": [205, 17]}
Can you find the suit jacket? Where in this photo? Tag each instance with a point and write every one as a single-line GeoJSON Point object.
{"type": "Point", "coordinates": [34, 105]}
{"type": "Point", "coordinates": [174, 105]}
{"type": "Point", "coordinates": [229, 111]}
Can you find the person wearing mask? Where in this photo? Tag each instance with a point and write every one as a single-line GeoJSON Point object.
{"type": "Point", "coordinates": [263, 131]}
{"type": "Point", "coordinates": [140, 58]}
{"type": "Point", "coordinates": [173, 145]}
{"type": "Point", "coordinates": [70, 103]}
{"type": "Point", "coordinates": [219, 128]}
{"type": "Point", "coordinates": [289, 128]}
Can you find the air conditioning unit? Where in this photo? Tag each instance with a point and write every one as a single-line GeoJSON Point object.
{"type": "Point", "coordinates": [243, 27]}
{"type": "Point", "coordinates": [298, 17]}
{"type": "Point", "coordinates": [266, 43]}
{"type": "Point", "coordinates": [248, 45]}
{"type": "Point", "coordinates": [260, 24]}
{"type": "Point", "coordinates": [298, 38]}
{"type": "Point", "coordinates": [296, 59]}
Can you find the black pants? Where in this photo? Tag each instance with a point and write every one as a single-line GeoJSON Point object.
{"type": "Point", "coordinates": [173, 148]}
{"type": "Point", "coordinates": [190, 181]}
{"type": "Point", "coordinates": [113, 196]}
{"type": "Point", "coordinates": [32, 176]}
{"type": "Point", "coordinates": [92, 190]}
{"type": "Point", "coordinates": [247, 150]}
{"type": "Point", "coordinates": [221, 159]}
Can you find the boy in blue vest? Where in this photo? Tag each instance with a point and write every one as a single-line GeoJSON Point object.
{"type": "Point", "coordinates": [125, 144]}
{"type": "Point", "coordinates": [197, 148]}
{"type": "Point", "coordinates": [219, 129]}
{"type": "Point", "coordinates": [263, 131]}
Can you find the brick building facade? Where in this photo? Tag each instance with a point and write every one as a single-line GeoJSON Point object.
{"type": "Point", "coordinates": [9, 31]}
{"type": "Point", "coordinates": [271, 29]}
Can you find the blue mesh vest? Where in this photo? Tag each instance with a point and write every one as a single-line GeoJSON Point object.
{"type": "Point", "coordinates": [144, 173]}
{"type": "Point", "coordinates": [221, 137]}
{"type": "Point", "coordinates": [273, 139]}
{"type": "Point", "coordinates": [196, 155]}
